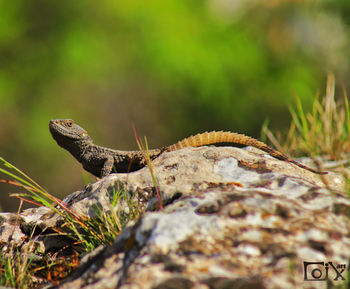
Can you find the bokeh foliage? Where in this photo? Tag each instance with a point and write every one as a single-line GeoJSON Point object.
{"type": "Point", "coordinates": [172, 68]}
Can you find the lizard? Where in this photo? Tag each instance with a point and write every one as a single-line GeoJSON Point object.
{"type": "Point", "coordinates": [100, 161]}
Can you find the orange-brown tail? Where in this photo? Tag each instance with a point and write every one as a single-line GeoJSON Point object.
{"type": "Point", "coordinates": [212, 137]}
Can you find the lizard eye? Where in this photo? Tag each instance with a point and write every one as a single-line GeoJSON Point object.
{"type": "Point", "coordinates": [69, 123]}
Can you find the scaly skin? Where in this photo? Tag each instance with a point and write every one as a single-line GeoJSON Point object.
{"type": "Point", "coordinates": [100, 161]}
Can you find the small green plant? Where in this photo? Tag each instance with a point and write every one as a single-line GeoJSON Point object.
{"type": "Point", "coordinates": [14, 269]}
{"type": "Point", "coordinates": [145, 151]}
{"type": "Point", "coordinates": [35, 194]}
{"type": "Point", "coordinates": [325, 131]}
{"type": "Point", "coordinates": [86, 234]}
{"type": "Point", "coordinates": [106, 225]}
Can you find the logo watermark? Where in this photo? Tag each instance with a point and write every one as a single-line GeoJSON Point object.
{"type": "Point", "coordinates": [318, 271]}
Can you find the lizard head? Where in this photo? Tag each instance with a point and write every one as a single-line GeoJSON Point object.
{"type": "Point", "coordinates": [66, 131]}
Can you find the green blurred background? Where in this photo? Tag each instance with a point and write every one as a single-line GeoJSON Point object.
{"type": "Point", "coordinates": [172, 68]}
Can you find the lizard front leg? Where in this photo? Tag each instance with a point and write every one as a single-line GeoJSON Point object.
{"type": "Point", "coordinates": [107, 166]}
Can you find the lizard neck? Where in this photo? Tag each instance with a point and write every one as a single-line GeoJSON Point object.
{"type": "Point", "coordinates": [78, 148]}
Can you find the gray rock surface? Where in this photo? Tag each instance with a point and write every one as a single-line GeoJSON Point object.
{"type": "Point", "coordinates": [234, 218]}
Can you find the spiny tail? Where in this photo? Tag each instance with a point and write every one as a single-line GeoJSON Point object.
{"type": "Point", "coordinates": [212, 137]}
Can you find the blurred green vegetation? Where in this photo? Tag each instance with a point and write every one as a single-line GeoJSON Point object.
{"type": "Point", "coordinates": [173, 68]}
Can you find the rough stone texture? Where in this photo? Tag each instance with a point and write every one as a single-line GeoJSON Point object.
{"type": "Point", "coordinates": [192, 169]}
{"type": "Point", "coordinates": [234, 219]}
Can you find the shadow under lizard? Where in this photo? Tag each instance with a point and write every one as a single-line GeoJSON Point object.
{"type": "Point", "coordinates": [100, 161]}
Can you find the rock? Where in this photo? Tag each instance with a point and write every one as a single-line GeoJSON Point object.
{"type": "Point", "coordinates": [10, 224]}
{"type": "Point", "coordinates": [190, 169]}
{"type": "Point", "coordinates": [233, 219]}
